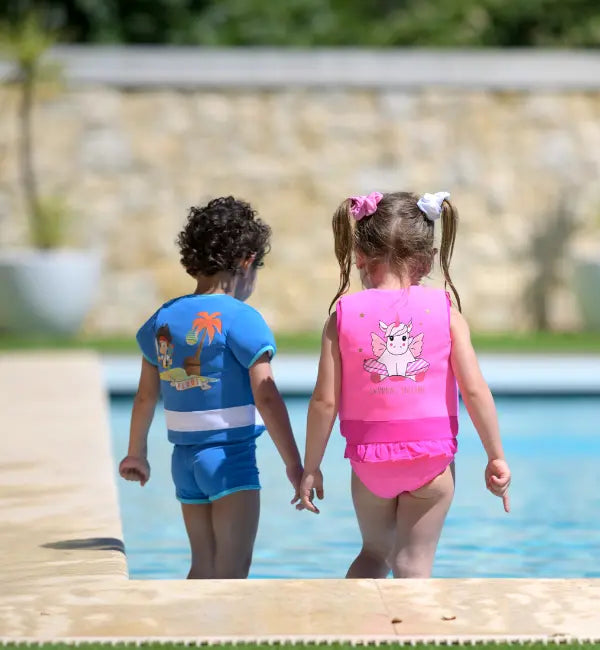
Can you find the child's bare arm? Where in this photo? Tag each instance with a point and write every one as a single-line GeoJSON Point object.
{"type": "Point", "coordinates": [135, 467]}
{"type": "Point", "coordinates": [322, 411]}
{"type": "Point", "coordinates": [479, 404]}
{"type": "Point", "coordinates": [274, 413]}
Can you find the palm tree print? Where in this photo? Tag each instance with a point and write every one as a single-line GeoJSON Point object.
{"type": "Point", "coordinates": [208, 324]}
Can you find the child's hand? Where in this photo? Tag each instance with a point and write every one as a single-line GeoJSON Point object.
{"type": "Point", "coordinates": [497, 480]}
{"type": "Point", "coordinates": [311, 482]}
{"type": "Point", "coordinates": [134, 468]}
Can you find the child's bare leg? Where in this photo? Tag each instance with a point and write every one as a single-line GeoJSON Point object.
{"type": "Point", "coordinates": [420, 516]}
{"type": "Point", "coordinates": [198, 523]}
{"type": "Point", "coordinates": [377, 522]}
{"type": "Point", "coordinates": [235, 522]}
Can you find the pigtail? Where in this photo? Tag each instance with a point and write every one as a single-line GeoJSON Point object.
{"type": "Point", "coordinates": [343, 237]}
{"type": "Point", "coordinates": [449, 228]}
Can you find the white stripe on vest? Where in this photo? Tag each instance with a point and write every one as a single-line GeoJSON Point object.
{"type": "Point", "coordinates": [229, 418]}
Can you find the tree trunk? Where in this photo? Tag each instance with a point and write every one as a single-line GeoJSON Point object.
{"type": "Point", "coordinates": [27, 164]}
{"type": "Point", "coordinates": [199, 348]}
{"type": "Point", "coordinates": [192, 364]}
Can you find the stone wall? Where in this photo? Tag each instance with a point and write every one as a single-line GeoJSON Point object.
{"type": "Point", "coordinates": [132, 160]}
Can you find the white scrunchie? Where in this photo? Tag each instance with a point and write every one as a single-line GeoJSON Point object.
{"type": "Point", "coordinates": [431, 204]}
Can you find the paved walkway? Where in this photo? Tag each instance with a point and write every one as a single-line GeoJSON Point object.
{"type": "Point", "coordinates": [63, 573]}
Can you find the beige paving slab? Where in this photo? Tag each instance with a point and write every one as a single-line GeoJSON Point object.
{"type": "Point", "coordinates": [58, 499]}
{"type": "Point", "coordinates": [258, 608]}
{"type": "Point", "coordinates": [480, 607]}
{"type": "Point", "coordinates": [63, 570]}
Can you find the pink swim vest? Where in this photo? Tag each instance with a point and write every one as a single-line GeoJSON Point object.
{"type": "Point", "coordinates": [399, 397]}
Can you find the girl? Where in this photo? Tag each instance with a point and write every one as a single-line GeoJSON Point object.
{"type": "Point", "coordinates": [208, 354]}
{"type": "Point", "coordinates": [390, 360]}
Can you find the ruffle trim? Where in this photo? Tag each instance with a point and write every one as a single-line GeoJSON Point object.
{"type": "Point", "coordinates": [379, 452]}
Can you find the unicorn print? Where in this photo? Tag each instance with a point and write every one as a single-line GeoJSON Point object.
{"type": "Point", "coordinates": [397, 353]}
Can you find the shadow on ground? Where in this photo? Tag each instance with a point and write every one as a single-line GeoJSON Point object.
{"type": "Point", "coordinates": [91, 544]}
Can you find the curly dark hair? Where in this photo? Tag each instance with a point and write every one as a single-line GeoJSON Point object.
{"type": "Point", "coordinates": [220, 235]}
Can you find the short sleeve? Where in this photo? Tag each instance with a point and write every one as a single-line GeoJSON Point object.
{"type": "Point", "coordinates": [249, 337]}
{"type": "Point", "coordinates": [146, 339]}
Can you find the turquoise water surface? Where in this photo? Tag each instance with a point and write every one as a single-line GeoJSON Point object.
{"type": "Point", "coordinates": [553, 445]}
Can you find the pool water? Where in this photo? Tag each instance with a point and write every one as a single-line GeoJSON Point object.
{"type": "Point", "coordinates": [552, 444]}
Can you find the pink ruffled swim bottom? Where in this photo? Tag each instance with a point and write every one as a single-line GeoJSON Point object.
{"type": "Point", "coordinates": [389, 478]}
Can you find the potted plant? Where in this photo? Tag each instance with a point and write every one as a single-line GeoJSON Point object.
{"type": "Point", "coordinates": [47, 287]}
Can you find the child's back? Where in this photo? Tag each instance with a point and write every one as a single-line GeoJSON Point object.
{"type": "Point", "coordinates": [203, 346]}
{"type": "Point", "coordinates": [398, 400]}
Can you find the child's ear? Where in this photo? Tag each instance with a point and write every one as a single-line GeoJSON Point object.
{"type": "Point", "coordinates": [247, 263]}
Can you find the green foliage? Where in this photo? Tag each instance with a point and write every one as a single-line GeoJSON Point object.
{"type": "Point", "coordinates": [309, 343]}
{"type": "Point", "coordinates": [25, 42]}
{"type": "Point", "coordinates": [306, 23]}
{"type": "Point", "coordinates": [52, 222]}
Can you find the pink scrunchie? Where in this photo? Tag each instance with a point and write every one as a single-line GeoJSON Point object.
{"type": "Point", "coordinates": [363, 206]}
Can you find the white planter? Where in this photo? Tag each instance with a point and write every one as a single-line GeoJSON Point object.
{"type": "Point", "coordinates": [586, 284]}
{"type": "Point", "coordinates": [46, 292]}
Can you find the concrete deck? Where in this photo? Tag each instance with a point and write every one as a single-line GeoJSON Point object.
{"type": "Point", "coordinates": [64, 575]}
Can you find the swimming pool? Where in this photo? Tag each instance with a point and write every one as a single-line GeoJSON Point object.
{"type": "Point", "coordinates": [553, 445]}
